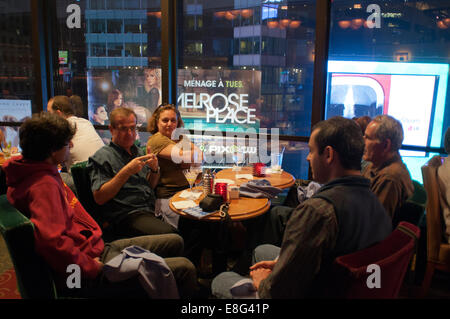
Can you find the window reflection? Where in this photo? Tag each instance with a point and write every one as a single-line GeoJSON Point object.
{"type": "Point", "coordinates": [255, 73]}
{"type": "Point", "coordinates": [274, 41]}
{"type": "Point", "coordinates": [17, 83]}
{"type": "Point", "coordinates": [392, 58]}
{"type": "Point", "coordinates": [107, 56]}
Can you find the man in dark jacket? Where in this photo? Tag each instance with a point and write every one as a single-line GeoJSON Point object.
{"type": "Point", "coordinates": [343, 216]}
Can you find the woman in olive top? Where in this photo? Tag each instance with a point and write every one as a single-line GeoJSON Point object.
{"type": "Point", "coordinates": [174, 155]}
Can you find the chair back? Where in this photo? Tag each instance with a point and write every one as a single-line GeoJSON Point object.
{"type": "Point", "coordinates": [34, 278]}
{"type": "Point", "coordinates": [355, 275]}
{"type": "Point", "coordinates": [433, 208]}
{"type": "Point", "coordinates": [82, 181]}
{"type": "Point", "coordinates": [413, 209]}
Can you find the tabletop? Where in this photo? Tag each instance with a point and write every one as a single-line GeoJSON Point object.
{"type": "Point", "coordinates": [281, 180]}
{"type": "Point", "coordinates": [240, 209]}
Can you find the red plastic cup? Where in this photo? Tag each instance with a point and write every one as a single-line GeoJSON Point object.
{"type": "Point", "coordinates": [259, 169]}
{"type": "Point", "coordinates": [221, 189]}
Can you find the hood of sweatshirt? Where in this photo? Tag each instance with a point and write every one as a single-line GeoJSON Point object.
{"type": "Point", "coordinates": [18, 170]}
{"type": "Point", "coordinates": [22, 173]}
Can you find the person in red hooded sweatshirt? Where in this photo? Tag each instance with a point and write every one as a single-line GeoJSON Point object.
{"type": "Point", "coordinates": [65, 233]}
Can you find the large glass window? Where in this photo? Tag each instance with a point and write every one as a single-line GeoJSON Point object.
{"type": "Point", "coordinates": [107, 59]}
{"type": "Point", "coordinates": [392, 58]}
{"type": "Point", "coordinates": [251, 71]}
{"type": "Point", "coordinates": [17, 82]}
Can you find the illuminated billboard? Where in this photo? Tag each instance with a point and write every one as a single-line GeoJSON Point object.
{"type": "Point", "coordinates": [413, 93]}
{"type": "Point", "coordinates": [224, 100]}
{"type": "Point", "coordinates": [138, 89]}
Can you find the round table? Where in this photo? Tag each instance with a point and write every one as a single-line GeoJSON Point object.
{"type": "Point", "coordinates": [281, 180]}
{"type": "Point", "coordinates": [239, 209]}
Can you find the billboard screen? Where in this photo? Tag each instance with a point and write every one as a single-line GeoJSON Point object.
{"type": "Point", "coordinates": [408, 98]}
{"type": "Point", "coordinates": [139, 89]}
{"type": "Point", "coordinates": [224, 100]}
{"type": "Point", "coordinates": [413, 93]}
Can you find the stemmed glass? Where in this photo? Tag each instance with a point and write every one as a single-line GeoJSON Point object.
{"type": "Point", "coordinates": [199, 178]}
{"type": "Point", "coordinates": [7, 150]}
{"type": "Point", "coordinates": [191, 176]}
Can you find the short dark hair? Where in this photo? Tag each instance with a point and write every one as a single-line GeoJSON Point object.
{"type": "Point", "coordinates": [43, 134]}
{"type": "Point", "coordinates": [77, 105]}
{"type": "Point", "coordinates": [345, 137]}
{"type": "Point", "coordinates": [63, 104]}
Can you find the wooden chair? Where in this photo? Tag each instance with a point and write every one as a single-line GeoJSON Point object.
{"type": "Point", "coordinates": [438, 251]}
{"type": "Point", "coordinates": [34, 278]}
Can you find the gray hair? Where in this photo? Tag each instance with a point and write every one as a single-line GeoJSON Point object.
{"type": "Point", "coordinates": [447, 140]}
{"type": "Point", "coordinates": [389, 128]}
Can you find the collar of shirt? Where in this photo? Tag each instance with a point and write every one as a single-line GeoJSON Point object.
{"type": "Point", "coordinates": [396, 158]}
{"type": "Point", "coordinates": [134, 150]}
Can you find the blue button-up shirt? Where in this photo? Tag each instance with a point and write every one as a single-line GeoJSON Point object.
{"type": "Point", "coordinates": [135, 195]}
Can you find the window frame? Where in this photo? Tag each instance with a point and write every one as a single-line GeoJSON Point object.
{"type": "Point", "coordinates": [43, 17]}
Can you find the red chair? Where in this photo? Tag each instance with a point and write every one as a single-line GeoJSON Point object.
{"type": "Point", "coordinates": [392, 255]}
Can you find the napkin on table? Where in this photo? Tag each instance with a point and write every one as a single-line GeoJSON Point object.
{"type": "Point", "coordinates": [244, 176]}
{"type": "Point", "coordinates": [182, 204]}
{"type": "Point", "coordinates": [273, 171]}
{"type": "Point", "coordinates": [190, 195]}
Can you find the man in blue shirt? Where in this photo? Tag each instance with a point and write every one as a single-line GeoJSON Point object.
{"type": "Point", "coordinates": [123, 178]}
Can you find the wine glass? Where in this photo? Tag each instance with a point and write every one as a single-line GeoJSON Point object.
{"type": "Point", "coordinates": [191, 176]}
{"type": "Point", "coordinates": [199, 176]}
{"type": "Point", "coordinates": [7, 150]}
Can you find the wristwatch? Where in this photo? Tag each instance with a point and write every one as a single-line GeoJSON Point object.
{"type": "Point", "coordinates": [155, 172]}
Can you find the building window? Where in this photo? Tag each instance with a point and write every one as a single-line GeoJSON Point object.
{"type": "Point", "coordinates": [132, 26]}
{"type": "Point", "coordinates": [97, 26]}
{"type": "Point", "coordinates": [132, 49]}
{"type": "Point", "coordinates": [97, 4]}
{"type": "Point", "coordinates": [115, 49]}
{"type": "Point", "coordinates": [114, 26]}
{"type": "Point", "coordinates": [98, 49]}
{"type": "Point", "coordinates": [114, 4]}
